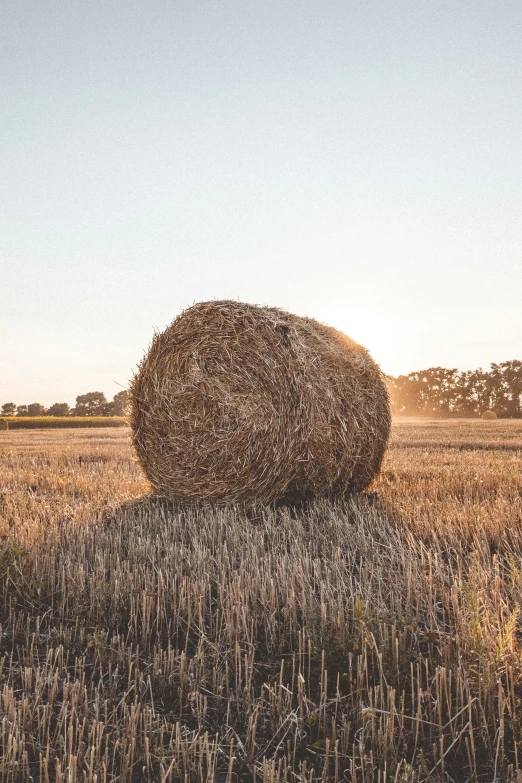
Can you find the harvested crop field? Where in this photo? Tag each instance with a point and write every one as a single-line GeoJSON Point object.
{"type": "Point", "coordinates": [371, 640]}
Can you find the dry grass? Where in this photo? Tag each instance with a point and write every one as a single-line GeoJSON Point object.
{"type": "Point", "coordinates": [372, 640]}
{"type": "Point", "coordinates": [236, 403]}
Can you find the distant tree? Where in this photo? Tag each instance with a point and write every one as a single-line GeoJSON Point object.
{"type": "Point", "coordinates": [21, 410]}
{"type": "Point", "coordinates": [429, 392]}
{"type": "Point", "coordinates": [507, 381]}
{"type": "Point", "coordinates": [8, 409]}
{"type": "Point", "coordinates": [119, 406]}
{"type": "Point", "coordinates": [35, 409]}
{"type": "Point", "coordinates": [438, 391]}
{"type": "Point", "coordinates": [59, 409]}
{"type": "Point", "coordinates": [90, 404]}
{"type": "Point", "coordinates": [481, 389]}
{"type": "Point", "coordinates": [469, 392]}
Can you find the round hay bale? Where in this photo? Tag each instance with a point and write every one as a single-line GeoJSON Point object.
{"type": "Point", "coordinates": [4, 425]}
{"type": "Point", "coordinates": [236, 403]}
{"type": "Point", "coordinates": [489, 415]}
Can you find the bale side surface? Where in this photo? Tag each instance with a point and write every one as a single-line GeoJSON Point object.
{"type": "Point", "coordinates": [236, 403]}
{"type": "Point", "coordinates": [489, 415]}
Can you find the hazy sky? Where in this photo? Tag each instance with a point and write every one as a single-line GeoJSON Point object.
{"type": "Point", "coordinates": [359, 162]}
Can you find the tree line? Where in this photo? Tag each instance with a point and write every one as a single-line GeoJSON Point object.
{"type": "Point", "coordinates": [433, 392]}
{"type": "Point", "coordinates": [90, 404]}
{"type": "Point", "coordinates": [442, 392]}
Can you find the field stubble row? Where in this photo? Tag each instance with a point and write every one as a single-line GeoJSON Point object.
{"type": "Point", "coordinates": [377, 639]}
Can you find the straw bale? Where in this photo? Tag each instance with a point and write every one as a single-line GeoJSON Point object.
{"type": "Point", "coordinates": [236, 403]}
{"type": "Point", "coordinates": [4, 425]}
{"type": "Point", "coordinates": [489, 415]}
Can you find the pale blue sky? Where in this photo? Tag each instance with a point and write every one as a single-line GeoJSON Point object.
{"type": "Point", "coordinates": [360, 162]}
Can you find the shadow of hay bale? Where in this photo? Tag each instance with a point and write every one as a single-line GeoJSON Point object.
{"type": "Point", "coordinates": [181, 514]}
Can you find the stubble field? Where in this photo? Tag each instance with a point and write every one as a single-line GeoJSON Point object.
{"type": "Point", "coordinates": [371, 640]}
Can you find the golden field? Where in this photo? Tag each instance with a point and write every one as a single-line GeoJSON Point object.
{"type": "Point", "coordinates": [373, 640]}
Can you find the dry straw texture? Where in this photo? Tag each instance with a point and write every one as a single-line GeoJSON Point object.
{"type": "Point", "coordinates": [3, 424]}
{"type": "Point", "coordinates": [236, 403]}
{"type": "Point", "coordinates": [489, 415]}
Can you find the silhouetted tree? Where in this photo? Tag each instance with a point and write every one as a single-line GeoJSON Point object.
{"type": "Point", "coordinates": [8, 409]}
{"type": "Point", "coordinates": [438, 391]}
{"type": "Point", "coordinates": [465, 401]}
{"type": "Point", "coordinates": [59, 409]}
{"type": "Point", "coordinates": [119, 406]}
{"type": "Point", "coordinates": [35, 409]}
{"type": "Point", "coordinates": [21, 410]}
{"type": "Point", "coordinates": [90, 404]}
{"type": "Point", "coordinates": [507, 378]}
{"type": "Point", "coordinates": [429, 392]}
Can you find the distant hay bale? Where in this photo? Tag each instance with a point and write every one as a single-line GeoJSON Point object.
{"type": "Point", "coordinates": [236, 403]}
{"type": "Point", "coordinates": [489, 415]}
{"type": "Point", "coordinates": [4, 425]}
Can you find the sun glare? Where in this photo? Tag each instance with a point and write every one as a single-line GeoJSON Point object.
{"type": "Point", "coordinates": [369, 327]}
